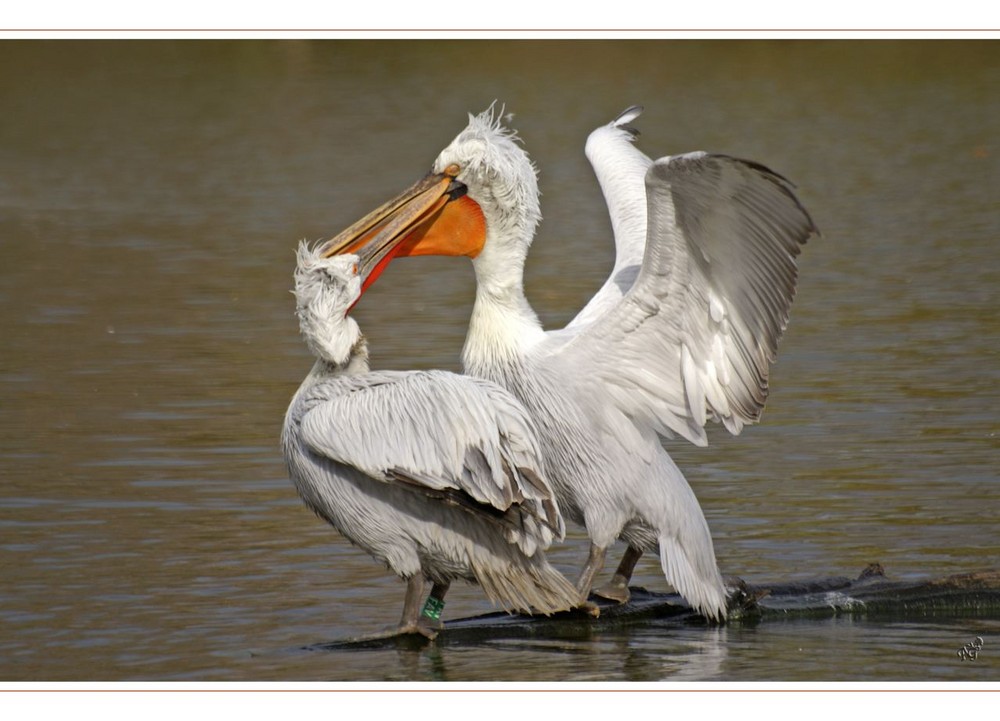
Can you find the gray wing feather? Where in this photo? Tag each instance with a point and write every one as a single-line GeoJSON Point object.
{"type": "Point", "coordinates": [455, 436]}
{"type": "Point", "coordinates": [694, 337]}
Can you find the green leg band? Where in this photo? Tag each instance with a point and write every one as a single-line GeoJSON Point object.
{"type": "Point", "coordinates": [433, 608]}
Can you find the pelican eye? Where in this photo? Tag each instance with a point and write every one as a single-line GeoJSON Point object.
{"type": "Point", "coordinates": [453, 170]}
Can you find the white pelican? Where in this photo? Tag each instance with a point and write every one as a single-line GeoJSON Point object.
{"type": "Point", "coordinates": [683, 331]}
{"type": "Point", "coordinates": [437, 475]}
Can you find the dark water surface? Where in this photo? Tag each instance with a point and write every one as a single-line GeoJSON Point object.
{"type": "Point", "coordinates": [152, 194]}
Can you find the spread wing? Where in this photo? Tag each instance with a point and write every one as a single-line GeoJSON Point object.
{"type": "Point", "coordinates": [621, 172]}
{"type": "Point", "coordinates": [693, 338]}
{"type": "Point", "coordinates": [460, 440]}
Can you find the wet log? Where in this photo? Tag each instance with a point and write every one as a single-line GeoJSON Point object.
{"type": "Point", "coordinates": [871, 596]}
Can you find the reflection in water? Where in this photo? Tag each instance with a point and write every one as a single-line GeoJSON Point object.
{"type": "Point", "coordinates": [647, 654]}
{"type": "Point", "coordinates": [692, 657]}
{"type": "Point", "coordinates": [152, 200]}
{"type": "Point", "coordinates": [835, 649]}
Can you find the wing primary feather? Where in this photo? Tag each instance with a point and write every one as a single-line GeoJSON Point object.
{"type": "Point", "coordinates": [711, 298]}
{"type": "Point", "coordinates": [627, 116]}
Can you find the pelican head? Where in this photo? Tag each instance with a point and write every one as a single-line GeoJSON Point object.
{"type": "Point", "coordinates": [479, 200]}
{"type": "Point", "coordinates": [500, 179]}
{"type": "Point", "coordinates": [326, 288]}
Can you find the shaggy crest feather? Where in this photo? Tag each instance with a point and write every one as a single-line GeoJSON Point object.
{"type": "Point", "coordinates": [498, 172]}
{"type": "Point", "coordinates": [325, 289]}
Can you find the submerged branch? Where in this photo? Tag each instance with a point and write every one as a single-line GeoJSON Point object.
{"type": "Point", "coordinates": [870, 596]}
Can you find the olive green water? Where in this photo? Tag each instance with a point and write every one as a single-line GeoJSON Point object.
{"type": "Point", "coordinates": [151, 196]}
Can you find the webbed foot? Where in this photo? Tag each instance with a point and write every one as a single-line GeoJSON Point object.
{"type": "Point", "coordinates": [614, 591]}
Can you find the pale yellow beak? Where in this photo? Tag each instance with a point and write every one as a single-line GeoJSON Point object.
{"type": "Point", "coordinates": [432, 217]}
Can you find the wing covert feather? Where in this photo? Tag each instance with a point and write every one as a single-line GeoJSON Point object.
{"type": "Point", "coordinates": [433, 430]}
{"type": "Point", "coordinates": [694, 337]}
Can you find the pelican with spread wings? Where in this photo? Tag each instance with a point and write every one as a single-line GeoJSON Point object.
{"type": "Point", "coordinates": [683, 332]}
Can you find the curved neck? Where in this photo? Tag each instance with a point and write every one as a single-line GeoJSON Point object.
{"type": "Point", "coordinates": [503, 326]}
{"type": "Point", "coordinates": [356, 362]}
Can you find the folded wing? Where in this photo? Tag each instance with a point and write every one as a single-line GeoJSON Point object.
{"type": "Point", "coordinates": [460, 440]}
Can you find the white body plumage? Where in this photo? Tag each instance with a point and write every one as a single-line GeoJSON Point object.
{"type": "Point", "coordinates": [683, 331]}
{"type": "Point", "coordinates": [436, 475]}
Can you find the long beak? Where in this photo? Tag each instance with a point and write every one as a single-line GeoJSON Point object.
{"type": "Point", "coordinates": [425, 219]}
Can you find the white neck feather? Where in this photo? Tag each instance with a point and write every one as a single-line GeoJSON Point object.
{"type": "Point", "coordinates": [503, 326]}
{"type": "Point", "coordinates": [355, 364]}
{"type": "Point", "coordinates": [502, 180]}
{"type": "Point", "coordinates": [335, 341]}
